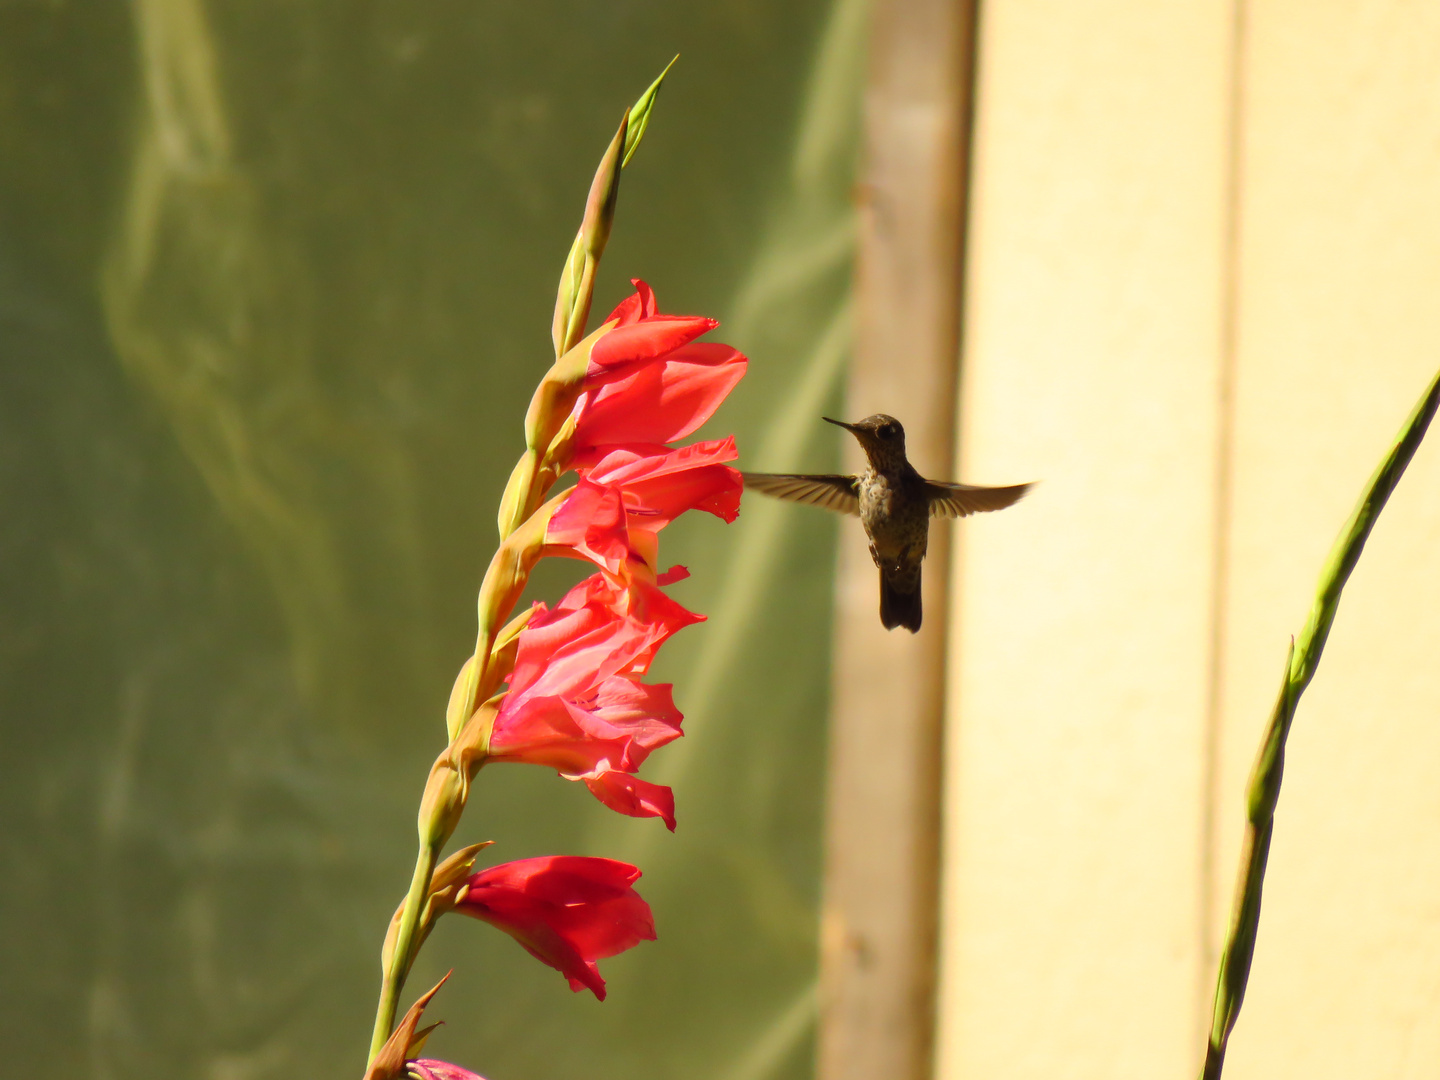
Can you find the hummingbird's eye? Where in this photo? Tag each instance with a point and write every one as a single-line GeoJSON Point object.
{"type": "Point", "coordinates": [887, 432]}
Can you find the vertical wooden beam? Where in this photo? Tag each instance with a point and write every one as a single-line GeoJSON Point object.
{"type": "Point", "coordinates": [879, 921]}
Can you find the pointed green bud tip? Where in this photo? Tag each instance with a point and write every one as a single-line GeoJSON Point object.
{"type": "Point", "coordinates": [640, 114]}
{"type": "Point", "coordinates": [600, 205]}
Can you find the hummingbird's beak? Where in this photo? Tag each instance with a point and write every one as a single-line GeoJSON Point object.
{"type": "Point", "coordinates": [840, 423]}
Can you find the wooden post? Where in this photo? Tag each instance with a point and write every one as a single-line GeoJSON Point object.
{"type": "Point", "coordinates": [879, 915]}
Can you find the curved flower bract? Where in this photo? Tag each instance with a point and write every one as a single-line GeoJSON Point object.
{"type": "Point", "coordinates": [389, 1061]}
{"type": "Point", "coordinates": [568, 911]}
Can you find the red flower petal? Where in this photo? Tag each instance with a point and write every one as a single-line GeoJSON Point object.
{"type": "Point", "coordinates": [642, 341]}
{"type": "Point", "coordinates": [633, 596]}
{"type": "Point", "coordinates": [643, 713]}
{"type": "Point", "coordinates": [569, 651]}
{"type": "Point", "coordinates": [575, 703]}
{"type": "Point", "coordinates": [592, 523]}
{"type": "Point", "coordinates": [632, 796]}
{"type": "Point", "coordinates": [637, 306]}
{"type": "Point", "coordinates": [558, 734]}
{"type": "Point", "coordinates": [674, 574]}
{"type": "Point", "coordinates": [660, 484]}
{"type": "Point", "coordinates": [661, 401]}
{"type": "Point", "coordinates": [568, 911]}
{"type": "Point", "coordinates": [600, 628]}
{"type": "Point", "coordinates": [617, 727]}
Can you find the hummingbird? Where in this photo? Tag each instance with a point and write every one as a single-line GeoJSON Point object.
{"type": "Point", "coordinates": [894, 503]}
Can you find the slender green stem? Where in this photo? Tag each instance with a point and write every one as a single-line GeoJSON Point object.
{"type": "Point", "coordinates": [1264, 790]}
{"type": "Point", "coordinates": [400, 958]}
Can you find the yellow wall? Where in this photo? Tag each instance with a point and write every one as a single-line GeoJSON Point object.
{"type": "Point", "coordinates": [1204, 291]}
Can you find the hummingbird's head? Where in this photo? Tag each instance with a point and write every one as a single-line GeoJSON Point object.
{"type": "Point", "coordinates": [881, 437]}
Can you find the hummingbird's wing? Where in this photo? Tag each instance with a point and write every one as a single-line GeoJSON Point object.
{"type": "Point", "coordinates": [832, 492]}
{"type": "Point", "coordinates": [962, 500]}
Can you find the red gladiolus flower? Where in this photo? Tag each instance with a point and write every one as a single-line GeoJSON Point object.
{"type": "Point", "coordinates": [575, 701]}
{"type": "Point", "coordinates": [568, 911]}
{"type": "Point", "coordinates": [648, 380]}
{"type": "Point", "coordinates": [627, 493]}
{"type": "Point", "coordinates": [659, 483]}
{"type": "Point", "coordinates": [642, 333]}
{"type": "Point", "coordinates": [602, 627]}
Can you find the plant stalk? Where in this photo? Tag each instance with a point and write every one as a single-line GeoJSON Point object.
{"type": "Point", "coordinates": [1264, 789]}
{"type": "Point", "coordinates": [399, 966]}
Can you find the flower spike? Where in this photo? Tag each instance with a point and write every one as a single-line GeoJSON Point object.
{"type": "Point", "coordinates": [562, 687]}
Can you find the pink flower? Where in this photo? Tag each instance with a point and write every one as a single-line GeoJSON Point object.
{"type": "Point", "coordinates": [429, 1069]}
{"type": "Point", "coordinates": [568, 911]}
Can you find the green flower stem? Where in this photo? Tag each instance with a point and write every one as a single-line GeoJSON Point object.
{"type": "Point", "coordinates": [400, 958]}
{"type": "Point", "coordinates": [1264, 790]}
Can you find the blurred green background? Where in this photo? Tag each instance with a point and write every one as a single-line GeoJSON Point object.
{"type": "Point", "coordinates": [275, 285]}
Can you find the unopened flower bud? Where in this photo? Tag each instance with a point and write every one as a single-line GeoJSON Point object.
{"type": "Point", "coordinates": [577, 281]}
{"type": "Point", "coordinates": [640, 115]}
{"type": "Point", "coordinates": [443, 802]}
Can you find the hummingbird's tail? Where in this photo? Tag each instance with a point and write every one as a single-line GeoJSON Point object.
{"type": "Point", "coordinates": [899, 608]}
